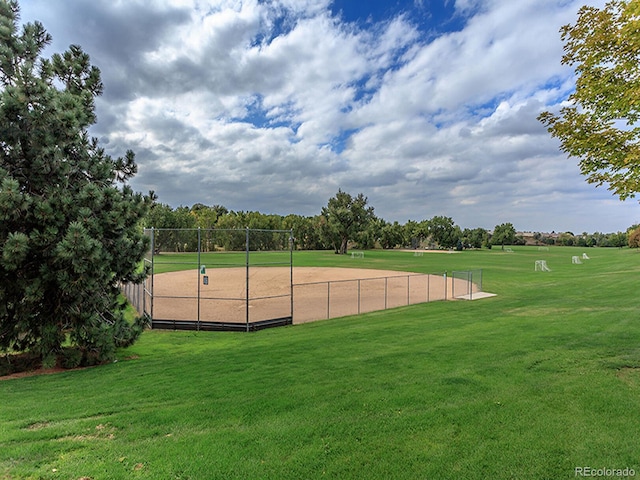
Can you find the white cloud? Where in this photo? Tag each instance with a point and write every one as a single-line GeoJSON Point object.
{"type": "Point", "coordinates": [272, 106]}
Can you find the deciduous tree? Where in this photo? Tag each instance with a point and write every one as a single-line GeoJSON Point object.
{"type": "Point", "coordinates": [634, 238]}
{"type": "Point", "coordinates": [444, 231]}
{"type": "Point", "coordinates": [600, 126]}
{"type": "Point", "coordinates": [391, 234]}
{"type": "Point", "coordinates": [475, 238]}
{"type": "Point", "coordinates": [346, 216]}
{"type": "Point", "coordinates": [503, 234]}
{"type": "Point", "coordinates": [414, 233]}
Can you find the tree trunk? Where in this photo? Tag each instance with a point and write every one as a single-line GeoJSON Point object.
{"type": "Point", "coordinates": [343, 245]}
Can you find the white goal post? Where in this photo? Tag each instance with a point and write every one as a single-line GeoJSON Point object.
{"type": "Point", "coordinates": [541, 266]}
{"type": "Point", "coordinates": [576, 260]}
{"type": "Point", "coordinates": [357, 254]}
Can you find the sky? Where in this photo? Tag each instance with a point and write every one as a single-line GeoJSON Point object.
{"type": "Point", "coordinates": [427, 107]}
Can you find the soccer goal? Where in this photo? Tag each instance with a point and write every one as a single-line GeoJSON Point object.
{"type": "Point", "coordinates": [357, 254]}
{"type": "Point", "coordinates": [576, 260]}
{"type": "Point", "coordinates": [418, 254]}
{"type": "Point", "coordinates": [585, 256]}
{"type": "Point", "coordinates": [541, 266]}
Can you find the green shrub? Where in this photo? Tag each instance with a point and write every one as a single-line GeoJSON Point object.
{"type": "Point", "coordinates": [71, 357]}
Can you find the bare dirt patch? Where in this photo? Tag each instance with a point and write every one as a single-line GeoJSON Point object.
{"type": "Point", "coordinates": [39, 371]}
{"type": "Point", "coordinates": [34, 371]}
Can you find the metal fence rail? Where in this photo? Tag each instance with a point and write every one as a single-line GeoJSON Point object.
{"type": "Point", "coordinates": [330, 299]}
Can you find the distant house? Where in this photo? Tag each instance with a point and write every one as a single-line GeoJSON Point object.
{"type": "Point", "coordinates": [538, 238]}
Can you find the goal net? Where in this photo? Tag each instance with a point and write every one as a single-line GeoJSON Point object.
{"type": "Point", "coordinates": [541, 266]}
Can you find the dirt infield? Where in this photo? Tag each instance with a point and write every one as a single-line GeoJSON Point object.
{"type": "Point", "coordinates": [318, 293]}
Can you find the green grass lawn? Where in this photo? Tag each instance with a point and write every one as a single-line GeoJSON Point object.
{"type": "Point", "coordinates": [530, 384]}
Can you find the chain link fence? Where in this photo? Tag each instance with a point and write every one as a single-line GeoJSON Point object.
{"type": "Point", "coordinates": [206, 263]}
{"type": "Point", "coordinates": [219, 280]}
{"type": "Point", "coordinates": [466, 283]}
{"type": "Point", "coordinates": [330, 299]}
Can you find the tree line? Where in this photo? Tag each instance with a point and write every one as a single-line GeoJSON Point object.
{"type": "Point", "coordinates": [345, 222]}
{"type": "Point", "coordinates": [348, 221]}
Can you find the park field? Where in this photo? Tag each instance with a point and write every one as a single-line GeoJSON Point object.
{"type": "Point", "coordinates": [535, 383]}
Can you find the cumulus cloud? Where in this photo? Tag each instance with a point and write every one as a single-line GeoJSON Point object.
{"type": "Point", "coordinates": [274, 105]}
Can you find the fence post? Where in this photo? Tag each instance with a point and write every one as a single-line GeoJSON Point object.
{"type": "Point", "coordinates": [408, 290]}
{"type": "Point", "coordinates": [198, 269]}
{"type": "Point", "coordinates": [453, 283]}
{"type": "Point", "coordinates": [428, 279]}
{"type": "Point", "coordinates": [291, 268]}
{"type": "Point", "coordinates": [247, 276]}
{"type": "Point", "coordinates": [153, 253]}
{"type": "Point", "coordinates": [445, 285]}
{"type": "Point", "coordinates": [385, 292]}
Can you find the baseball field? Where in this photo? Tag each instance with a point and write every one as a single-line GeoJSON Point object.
{"type": "Point", "coordinates": [540, 381]}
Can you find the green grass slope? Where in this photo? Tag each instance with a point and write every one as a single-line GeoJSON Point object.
{"type": "Point", "coordinates": [533, 383]}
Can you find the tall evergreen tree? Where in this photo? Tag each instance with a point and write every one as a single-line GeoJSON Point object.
{"type": "Point", "coordinates": [69, 224]}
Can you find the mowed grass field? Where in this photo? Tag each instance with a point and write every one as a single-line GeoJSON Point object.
{"type": "Point", "coordinates": [530, 384]}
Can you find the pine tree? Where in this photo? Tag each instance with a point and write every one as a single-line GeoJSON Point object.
{"type": "Point", "coordinates": [69, 223]}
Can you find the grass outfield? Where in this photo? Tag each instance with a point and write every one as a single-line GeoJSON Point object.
{"type": "Point", "coordinates": [533, 383]}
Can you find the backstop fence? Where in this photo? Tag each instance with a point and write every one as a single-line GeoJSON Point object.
{"type": "Point", "coordinates": [224, 293]}
{"type": "Point", "coordinates": [243, 280]}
